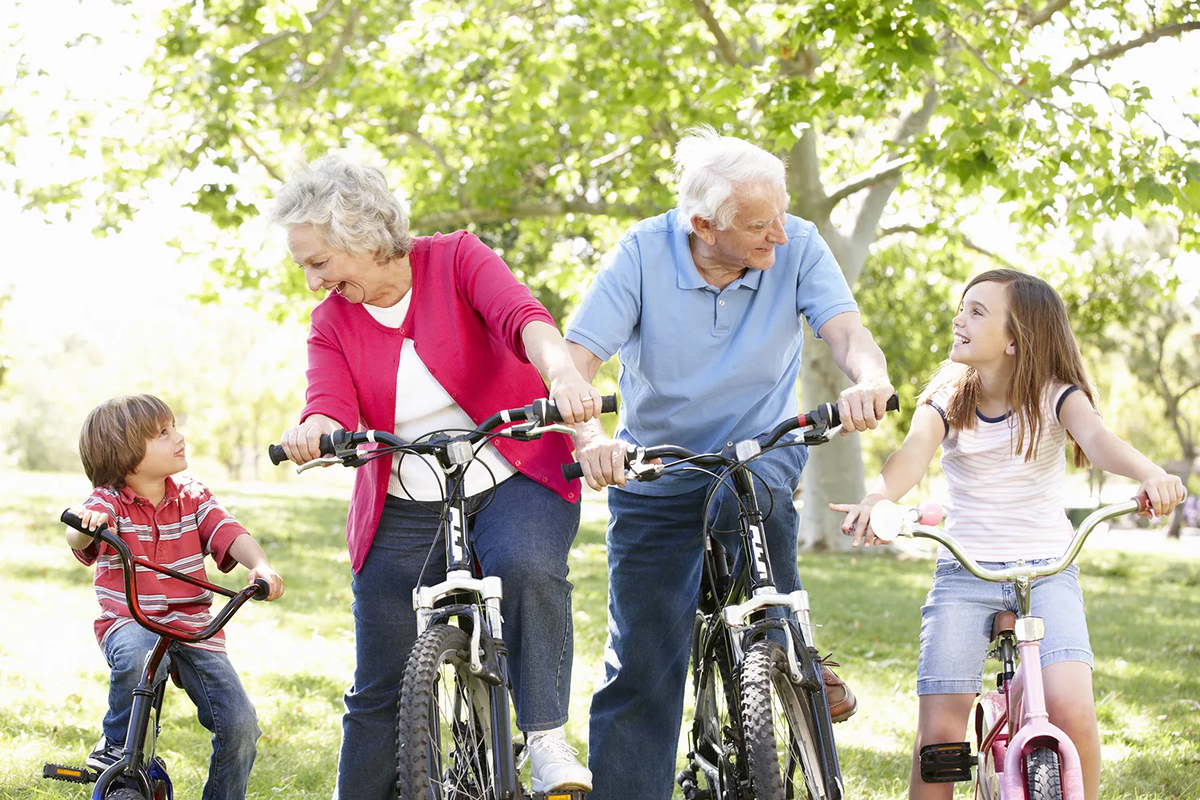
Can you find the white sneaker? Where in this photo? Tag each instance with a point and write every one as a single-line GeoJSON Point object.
{"type": "Point", "coordinates": [553, 765]}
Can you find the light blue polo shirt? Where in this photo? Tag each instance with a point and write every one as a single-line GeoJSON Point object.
{"type": "Point", "coordinates": [702, 367]}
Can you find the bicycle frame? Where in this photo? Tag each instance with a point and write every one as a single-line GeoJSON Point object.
{"type": "Point", "coordinates": [138, 763]}
{"type": "Point", "coordinates": [1024, 723]}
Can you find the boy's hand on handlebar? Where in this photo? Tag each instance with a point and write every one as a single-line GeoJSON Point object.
{"type": "Point", "coordinates": [1164, 491]}
{"type": "Point", "coordinates": [269, 575]}
{"type": "Point", "coordinates": [858, 520]}
{"type": "Point", "coordinates": [92, 518]}
{"type": "Point", "coordinates": [576, 399]}
{"type": "Point", "coordinates": [303, 442]}
{"type": "Point", "coordinates": [863, 405]}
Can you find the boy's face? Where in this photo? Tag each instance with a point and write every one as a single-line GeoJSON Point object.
{"type": "Point", "coordinates": [164, 454]}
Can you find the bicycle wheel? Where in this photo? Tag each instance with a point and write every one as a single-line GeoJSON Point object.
{"type": "Point", "coordinates": [1042, 780]}
{"type": "Point", "coordinates": [125, 794]}
{"type": "Point", "coordinates": [444, 739]}
{"type": "Point", "coordinates": [717, 745]}
{"type": "Point", "coordinates": [782, 740]}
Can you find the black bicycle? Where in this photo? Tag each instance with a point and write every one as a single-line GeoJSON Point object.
{"type": "Point", "coordinates": [761, 728]}
{"type": "Point", "coordinates": [454, 739]}
{"type": "Point", "coordinates": [140, 774]}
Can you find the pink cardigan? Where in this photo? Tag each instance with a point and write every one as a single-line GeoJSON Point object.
{"type": "Point", "coordinates": [465, 320]}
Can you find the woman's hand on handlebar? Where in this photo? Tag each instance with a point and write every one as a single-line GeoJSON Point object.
{"type": "Point", "coordinates": [858, 520]}
{"type": "Point", "coordinates": [576, 399]}
{"type": "Point", "coordinates": [863, 405]}
{"type": "Point", "coordinates": [303, 442]}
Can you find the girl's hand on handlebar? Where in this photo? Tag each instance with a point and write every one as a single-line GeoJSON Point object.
{"type": "Point", "coordinates": [1165, 492]}
{"type": "Point", "coordinates": [303, 442]}
{"type": "Point", "coordinates": [858, 520]}
{"type": "Point", "coordinates": [576, 399]}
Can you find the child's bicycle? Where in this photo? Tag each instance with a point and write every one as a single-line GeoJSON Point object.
{"type": "Point", "coordinates": [140, 774]}
{"type": "Point", "coordinates": [454, 740]}
{"type": "Point", "coordinates": [761, 728]}
{"type": "Point", "coordinates": [1019, 754]}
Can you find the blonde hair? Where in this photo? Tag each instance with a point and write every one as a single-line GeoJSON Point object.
{"type": "Point", "coordinates": [113, 439]}
{"type": "Point", "coordinates": [1046, 351]}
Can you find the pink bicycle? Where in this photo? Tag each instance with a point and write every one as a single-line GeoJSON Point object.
{"type": "Point", "coordinates": [1019, 754]}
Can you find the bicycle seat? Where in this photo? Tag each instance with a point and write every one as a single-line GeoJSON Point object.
{"type": "Point", "coordinates": [1003, 622]}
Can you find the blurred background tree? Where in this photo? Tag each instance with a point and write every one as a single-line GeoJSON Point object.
{"type": "Point", "coordinates": [927, 141]}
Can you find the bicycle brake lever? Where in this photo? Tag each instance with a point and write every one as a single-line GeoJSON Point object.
{"type": "Point", "coordinates": [646, 472]}
{"type": "Point", "coordinates": [318, 462]}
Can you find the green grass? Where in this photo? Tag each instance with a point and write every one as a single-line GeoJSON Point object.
{"type": "Point", "coordinates": [295, 656]}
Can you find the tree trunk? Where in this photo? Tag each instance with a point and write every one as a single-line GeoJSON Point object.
{"type": "Point", "coordinates": [834, 473]}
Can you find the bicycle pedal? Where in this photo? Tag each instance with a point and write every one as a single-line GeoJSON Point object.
{"type": "Point", "coordinates": [946, 763]}
{"type": "Point", "coordinates": [57, 772]}
{"type": "Point", "coordinates": [573, 794]}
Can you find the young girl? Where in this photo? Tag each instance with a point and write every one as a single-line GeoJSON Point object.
{"type": "Point", "coordinates": [1002, 408]}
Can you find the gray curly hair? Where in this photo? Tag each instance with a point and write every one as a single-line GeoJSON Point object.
{"type": "Point", "coordinates": [708, 166]}
{"type": "Point", "coordinates": [350, 203]}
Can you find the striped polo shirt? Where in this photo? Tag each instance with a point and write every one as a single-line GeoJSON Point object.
{"type": "Point", "coordinates": [1000, 506]}
{"type": "Point", "coordinates": [185, 527]}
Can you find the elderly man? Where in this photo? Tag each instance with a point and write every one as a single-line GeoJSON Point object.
{"type": "Point", "coordinates": [704, 306]}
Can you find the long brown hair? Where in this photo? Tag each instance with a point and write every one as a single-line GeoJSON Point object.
{"type": "Point", "coordinates": [1046, 351]}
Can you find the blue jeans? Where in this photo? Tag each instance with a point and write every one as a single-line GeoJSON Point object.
{"type": "Point", "coordinates": [523, 536]}
{"type": "Point", "coordinates": [209, 679]}
{"type": "Point", "coordinates": [655, 557]}
{"type": "Point", "coordinates": [956, 624]}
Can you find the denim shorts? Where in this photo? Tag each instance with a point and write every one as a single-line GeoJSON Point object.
{"type": "Point", "coordinates": [956, 624]}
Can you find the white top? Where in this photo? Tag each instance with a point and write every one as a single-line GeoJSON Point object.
{"type": "Point", "coordinates": [423, 406]}
{"type": "Point", "coordinates": [1002, 507]}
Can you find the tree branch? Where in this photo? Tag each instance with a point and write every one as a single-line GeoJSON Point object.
{"type": "Point", "coordinates": [549, 208]}
{"type": "Point", "coordinates": [966, 241]}
{"type": "Point", "coordinates": [1043, 14]}
{"type": "Point", "coordinates": [1117, 50]}
{"type": "Point", "coordinates": [868, 179]}
{"type": "Point", "coordinates": [313, 19]}
{"type": "Point", "coordinates": [724, 47]}
{"type": "Point", "coordinates": [270, 168]}
{"type": "Point", "coordinates": [877, 198]}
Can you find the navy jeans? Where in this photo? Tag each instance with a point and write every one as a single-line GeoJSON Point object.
{"type": "Point", "coordinates": [523, 536]}
{"type": "Point", "coordinates": [655, 557]}
{"type": "Point", "coordinates": [209, 679]}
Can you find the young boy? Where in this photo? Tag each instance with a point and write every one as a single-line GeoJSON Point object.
{"type": "Point", "coordinates": [130, 449]}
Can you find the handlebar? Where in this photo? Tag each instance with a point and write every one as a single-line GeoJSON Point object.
{"type": "Point", "coordinates": [257, 590]}
{"type": "Point", "coordinates": [889, 520]}
{"type": "Point", "coordinates": [822, 420]}
{"type": "Point", "coordinates": [342, 445]}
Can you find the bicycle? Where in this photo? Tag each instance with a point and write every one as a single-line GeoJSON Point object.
{"type": "Point", "coordinates": [761, 727]}
{"type": "Point", "coordinates": [1019, 753]}
{"type": "Point", "coordinates": [454, 740]}
{"type": "Point", "coordinates": [140, 774]}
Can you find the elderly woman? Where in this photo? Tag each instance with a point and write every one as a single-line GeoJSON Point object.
{"type": "Point", "coordinates": [418, 335]}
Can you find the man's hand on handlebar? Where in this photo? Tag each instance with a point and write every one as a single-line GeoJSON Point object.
{"type": "Point", "coordinates": [602, 459]}
{"type": "Point", "coordinates": [303, 442]}
{"type": "Point", "coordinates": [863, 405]}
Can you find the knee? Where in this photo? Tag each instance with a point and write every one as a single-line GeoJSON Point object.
{"type": "Point", "coordinates": [240, 731]}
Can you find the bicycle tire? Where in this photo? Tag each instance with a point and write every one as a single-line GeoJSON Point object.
{"type": "Point", "coordinates": [716, 728]}
{"type": "Point", "coordinates": [782, 740]}
{"type": "Point", "coordinates": [125, 794]}
{"type": "Point", "coordinates": [1042, 778]}
{"type": "Point", "coordinates": [445, 744]}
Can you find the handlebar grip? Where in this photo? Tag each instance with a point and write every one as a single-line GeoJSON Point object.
{"type": "Point", "coordinates": [264, 589]}
{"type": "Point", "coordinates": [835, 416]}
{"type": "Point", "coordinates": [73, 520]}
{"type": "Point", "coordinates": [572, 471]}
{"type": "Point", "coordinates": [608, 404]}
{"type": "Point", "coordinates": [277, 455]}
{"type": "Point", "coordinates": [326, 444]}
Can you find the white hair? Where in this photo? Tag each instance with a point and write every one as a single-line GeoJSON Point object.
{"type": "Point", "coordinates": [709, 166]}
{"type": "Point", "coordinates": [350, 203]}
